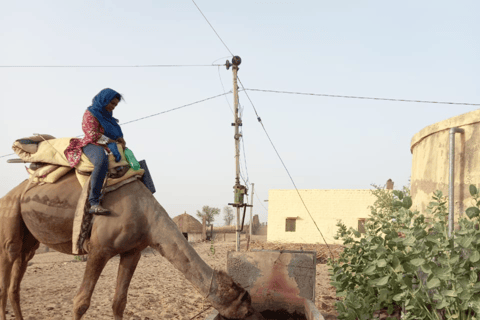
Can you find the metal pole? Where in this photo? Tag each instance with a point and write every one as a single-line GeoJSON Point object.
{"type": "Point", "coordinates": [237, 121]}
{"type": "Point", "coordinates": [251, 209]}
{"type": "Point", "coordinates": [451, 180]}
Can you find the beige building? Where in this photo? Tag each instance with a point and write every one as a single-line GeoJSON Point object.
{"type": "Point", "coordinates": [289, 221]}
{"type": "Point", "coordinates": [430, 161]}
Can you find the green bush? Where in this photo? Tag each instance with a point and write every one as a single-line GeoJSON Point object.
{"type": "Point", "coordinates": [406, 262]}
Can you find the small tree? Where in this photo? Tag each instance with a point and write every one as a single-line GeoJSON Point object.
{"type": "Point", "coordinates": [228, 215]}
{"type": "Point", "coordinates": [209, 213]}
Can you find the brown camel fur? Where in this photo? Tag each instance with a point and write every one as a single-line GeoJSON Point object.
{"type": "Point", "coordinates": [45, 214]}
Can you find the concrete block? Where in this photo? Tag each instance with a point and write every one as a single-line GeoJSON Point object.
{"type": "Point", "coordinates": [275, 279]}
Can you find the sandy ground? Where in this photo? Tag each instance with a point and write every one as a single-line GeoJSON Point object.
{"type": "Point", "coordinates": [157, 290]}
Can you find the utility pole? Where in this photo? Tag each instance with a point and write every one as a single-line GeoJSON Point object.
{"type": "Point", "coordinates": [251, 209]}
{"type": "Point", "coordinates": [239, 190]}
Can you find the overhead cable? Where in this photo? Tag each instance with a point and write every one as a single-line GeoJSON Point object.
{"type": "Point", "coordinates": [187, 105]}
{"type": "Point", "coordinates": [366, 98]}
{"type": "Point", "coordinates": [212, 27]}
{"type": "Point", "coordinates": [139, 66]}
{"type": "Point", "coordinates": [285, 167]}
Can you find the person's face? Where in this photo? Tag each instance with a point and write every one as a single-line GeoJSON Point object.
{"type": "Point", "coordinates": [111, 106]}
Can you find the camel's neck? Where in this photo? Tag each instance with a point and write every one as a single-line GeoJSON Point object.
{"type": "Point", "coordinates": [170, 242]}
{"type": "Point", "coordinates": [226, 296]}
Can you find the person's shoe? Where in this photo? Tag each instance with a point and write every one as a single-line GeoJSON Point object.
{"type": "Point", "coordinates": [99, 210]}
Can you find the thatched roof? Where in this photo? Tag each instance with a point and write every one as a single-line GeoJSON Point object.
{"type": "Point", "coordinates": [187, 224]}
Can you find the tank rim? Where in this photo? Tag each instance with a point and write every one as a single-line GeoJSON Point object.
{"type": "Point", "coordinates": [457, 121]}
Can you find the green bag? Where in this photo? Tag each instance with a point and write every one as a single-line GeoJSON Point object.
{"type": "Point", "coordinates": [131, 160]}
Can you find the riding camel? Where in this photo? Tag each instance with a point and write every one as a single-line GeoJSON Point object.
{"type": "Point", "coordinates": [45, 215]}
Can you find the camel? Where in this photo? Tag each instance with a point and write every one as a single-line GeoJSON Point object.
{"type": "Point", "coordinates": [45, 215]}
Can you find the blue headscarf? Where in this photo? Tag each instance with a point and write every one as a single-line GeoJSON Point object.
{"type": "Point", "coordinates": [108, 122]}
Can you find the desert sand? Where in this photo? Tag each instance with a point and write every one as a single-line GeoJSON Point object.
{"type": "Point", "coordinates": [157, 290]}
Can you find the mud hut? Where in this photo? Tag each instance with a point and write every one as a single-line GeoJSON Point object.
{"type": "Point", "coordinates": [190, 227]}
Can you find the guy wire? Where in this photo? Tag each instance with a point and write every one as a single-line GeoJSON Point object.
{"type": "Point", "coordinates": [284, 166]}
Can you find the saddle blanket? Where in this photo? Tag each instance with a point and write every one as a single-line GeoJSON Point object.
{"type": "Point", "coordinates": [46, 149]}
{"type": "Point", "coordinates": [50, 151]}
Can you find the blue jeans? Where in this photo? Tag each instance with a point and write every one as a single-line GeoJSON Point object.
{"type": "Point", "coordinates": [97, 156]}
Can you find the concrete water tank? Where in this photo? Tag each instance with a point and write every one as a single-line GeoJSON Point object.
{"type": "Point", "coordinates": [430, 161]}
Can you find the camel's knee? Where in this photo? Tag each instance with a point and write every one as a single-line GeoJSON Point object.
{"type": "Point", "coordinates": [13, 250]}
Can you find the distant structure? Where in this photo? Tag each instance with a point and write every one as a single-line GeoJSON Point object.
{"type": "Point", "coordinates": [389, 184]}
{"type": "Point", "coordinates": [190, 227]}
{"type": "Point", "coordinates": [288, 221]}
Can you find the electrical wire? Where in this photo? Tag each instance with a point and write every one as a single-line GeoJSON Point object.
{"type": "Point", "coordinates": [223, 87]}
{"type": "Point", "coordinates": [156, 114]}
{"type": "Point", "coordinates": [139, 66]}
{"type": "Point", "coordinates": [186, 105]}
{"type": "Point", "coordinates": [261, 202]}
{"type": "Point", "coordinates": [285, 167]}
{"type": "Point", "coordinates": [364, 98]}
{"type": "Point", "coordinates": [212, 27]}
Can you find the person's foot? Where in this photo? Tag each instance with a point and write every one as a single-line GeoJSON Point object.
{"type": "Point", "coordinates": [99, 210]}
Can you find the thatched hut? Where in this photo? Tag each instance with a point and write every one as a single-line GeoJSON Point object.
{"type": "Point", "coordinates": [190, 227]}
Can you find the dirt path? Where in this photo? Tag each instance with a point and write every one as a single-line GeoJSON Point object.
{"type": "Point", "coordinates": [157, 290]}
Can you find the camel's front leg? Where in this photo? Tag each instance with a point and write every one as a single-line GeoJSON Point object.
{"type": "Point", "coordinates": [95, 264]}
{"type": "Point", "coordinates": [128, 264]}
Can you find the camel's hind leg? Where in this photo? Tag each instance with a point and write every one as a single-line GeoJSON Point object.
{"type": "Point", "coordinates": [5, 271]}
{"type": "Point", "coordinates": [30, 244]}
{"type": "Point", "coordinates": [95, 264]}
{"type": "Point", "coordinates": [11, 236]}
{"type": "Point", "coordinates": [128, 264]}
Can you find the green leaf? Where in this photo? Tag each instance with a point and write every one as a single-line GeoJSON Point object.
{"type": "Point", "coordinates": [417, 262]}
{"type": "Point", "coordinates": [381, 263]}
{"type": "Point", "coordinates": [398, 297]}
{"type": "Point", "coordinates": [449, 293]}
{"type": "Point", "coordinates": [407, 202]}
{"type": "Point", "coordinates": [380, 281]}
{"type": "Point", "coordinates": [409, 241]}
{"type": "Point", "coordinates": [442, 304]}
{"type": "Point", "coordinates": [398, 193]}
{"type": "Point", "coordinates": [475, 256]}
{"type": "Point", "coordinates": [473, 190]}
{"type": "Point", "coordinates": [382, 295]}
{"type": "Point", "coordinates": [433, 283]}
{"type": "Point", "coordinates": [426, 268]}
{"type": "Point", "coordinates": [472, 212]}
{"type": "Point", "coordinates": [370, 270]}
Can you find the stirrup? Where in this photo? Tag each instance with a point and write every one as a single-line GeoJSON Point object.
{"type": "Point", "coordinates": [99, 210]}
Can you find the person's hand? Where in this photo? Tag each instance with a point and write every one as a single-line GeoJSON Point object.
{"type": "Point", "coordinates": [122, 142]}
{"type": "Point", "coordinates": [113, 148]}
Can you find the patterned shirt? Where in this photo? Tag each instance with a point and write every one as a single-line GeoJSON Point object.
{"type": "Point", "coordinates": [93, 135]}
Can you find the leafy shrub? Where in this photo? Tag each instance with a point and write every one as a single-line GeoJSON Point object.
{"type": "Point", "coordinates": [406, 262]}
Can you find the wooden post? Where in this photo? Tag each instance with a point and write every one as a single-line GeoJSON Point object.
{"type": "Point", "coordinates": [204, 228]}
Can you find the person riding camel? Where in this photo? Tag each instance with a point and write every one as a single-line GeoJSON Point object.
{"type": "Point", "coordinates": [102, 133]}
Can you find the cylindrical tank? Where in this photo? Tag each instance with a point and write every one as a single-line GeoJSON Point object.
{"type": "Point", "coordinates": [430, 161]}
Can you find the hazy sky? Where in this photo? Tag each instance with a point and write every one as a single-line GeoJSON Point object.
{"type": "Point", "coordinates": [419, 50]}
